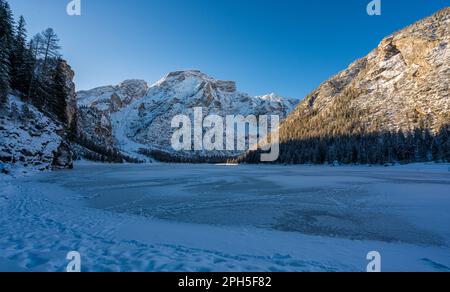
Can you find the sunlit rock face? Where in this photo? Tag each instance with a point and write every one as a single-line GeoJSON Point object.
{"type": "Point", "coordinates": [401, 85]}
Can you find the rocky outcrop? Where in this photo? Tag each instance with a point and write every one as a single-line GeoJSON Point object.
{"type": "Point", "coordinates": [71, 94]}
{"type": "Point", "coordinates": [63, 156]}
{"type": "Point", "coordinates": [95, 127]}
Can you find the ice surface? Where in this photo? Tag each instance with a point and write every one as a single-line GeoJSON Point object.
{"type": "Point", "coordinates": [167, 217]}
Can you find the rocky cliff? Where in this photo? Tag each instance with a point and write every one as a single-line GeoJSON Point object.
{"type": "Point", "coordinates": [403, 84]}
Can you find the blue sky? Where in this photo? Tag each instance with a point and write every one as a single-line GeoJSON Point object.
{"type": "Point", "coordinates": [283, 46]}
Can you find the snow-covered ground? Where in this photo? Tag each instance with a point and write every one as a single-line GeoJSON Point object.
{"type": "Point", "coordinates": [27, 139]}
{"type": "Point", "coordinates": [166, 217]}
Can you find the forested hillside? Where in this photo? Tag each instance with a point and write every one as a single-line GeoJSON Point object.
{"type": "Point", "coordinates": [390, 106]}
{"type": "Point", "coordinates": [37, 96]}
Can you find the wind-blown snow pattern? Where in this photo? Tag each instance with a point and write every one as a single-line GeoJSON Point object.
{"type": "Point", "coordinates": [162, 217]}
{"type": "Point", "coordinates": [141, 119]}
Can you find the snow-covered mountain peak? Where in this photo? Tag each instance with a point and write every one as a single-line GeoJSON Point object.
{"type": "Point", "coordinates": [138, 117]}
{"type": "Point", "coordinates": [133, 82]}
{"type": "Point", "coordinates": [272, 97]}
{"type": "Point", "coordinates": [185, 84]}
{"type": "Point", "coordinates": [179, 75]}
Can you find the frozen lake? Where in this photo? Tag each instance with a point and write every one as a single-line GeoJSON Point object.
{"type": "Point", "coordinates": [367, 203]}
{"type": "Point", "coordinates": [170, 217]}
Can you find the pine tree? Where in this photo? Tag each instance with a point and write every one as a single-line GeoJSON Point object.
{"type": "Point", "coordinates": [32, 59]}
{"type": "Point", "coordinates": [45, 49]}
{"type": "Point", "coordinates": [28, 71]}
{"type": "Point", "coordinates": [21, 60]}
{"type": "Point", "coordinates": [6, 24]}
{"type": "Point", "coordinates": [6, 37]}
{"type": "Point", "coordinates": [4, 74]}
{"type": "Point", "coordinates": [48, 47]}
{"type": "Point", "coordinates": [36, 44]}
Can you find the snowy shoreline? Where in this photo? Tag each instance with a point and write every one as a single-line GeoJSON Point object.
{"type": "Point", "coordinates": [43, 220]}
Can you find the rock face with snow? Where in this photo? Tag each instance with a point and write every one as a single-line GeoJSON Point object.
{"type": "Point", "coordinates": [401, 85]}
{"type": "Point", "coordinates": [113, 98]}
{"type": "Point", "coordinates": [134, 116]}
{"type": "Point", "coordinates": [96, 106]}
{"type": "Point", "coordinates": [30, 139]}
{"type": "Point", "coordinates": [95, 125]}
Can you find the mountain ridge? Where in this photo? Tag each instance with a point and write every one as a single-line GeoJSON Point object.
{"type": "Point", "coordinates": [140, 123]}
{"type": "Point", "coordinates": [399, 63]}
{"type": "Point", "coordinates": [395, 100]}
